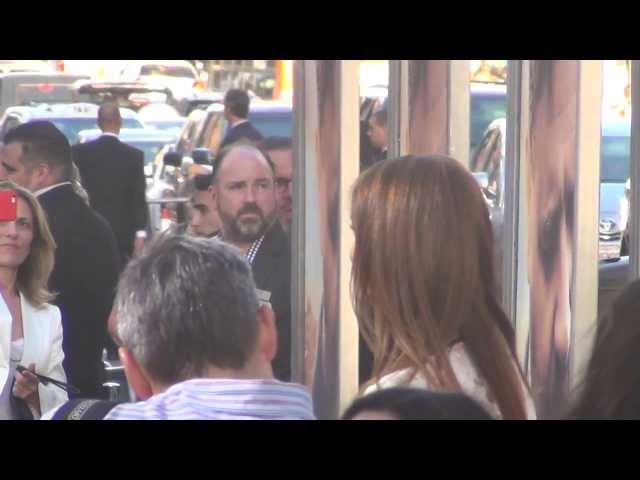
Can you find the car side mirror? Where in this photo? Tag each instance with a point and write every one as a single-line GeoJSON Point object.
{"type": "Point", "coordinates": [173, 159]}
{"type": "Point", "coordinates": [201, 156]}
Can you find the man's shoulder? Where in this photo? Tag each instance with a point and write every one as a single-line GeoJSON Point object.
{"type": "Point", "coordinates": [276, 242]}
{"type": "Point", "coordinates": [220, 399]}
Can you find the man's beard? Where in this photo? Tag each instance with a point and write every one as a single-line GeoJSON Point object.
{"type": "Point", "coordinates": [247, 231]}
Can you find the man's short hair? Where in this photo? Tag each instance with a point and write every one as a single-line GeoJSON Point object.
{"type": "Point", "coordinates": [109, 112]}
{"type": "Point", "coordinates": [238, 102]}
{"type": "Point", "coordinates": [42, 142]}
{"type": "Point", "coordinates": [217, 162]}
{"type": "Point", "coordinates": [199, 183]}
{"type": "Point", "coordinates": [380, 117]}
{"type": "Point", "coordinates": [186, 304]}
{"type": "Point", "coordinates": [274, 143]}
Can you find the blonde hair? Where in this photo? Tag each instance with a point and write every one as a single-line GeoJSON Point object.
{"type": "Point", "coordinates": [33, 274]}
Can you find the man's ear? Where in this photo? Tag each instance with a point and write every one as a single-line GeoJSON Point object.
{"type": "Point", "coordinates": [267, 333]}
{"type": "Point", "coordinates": [136, 376]}
{"type": "Point", "coordinates": [39, 175]}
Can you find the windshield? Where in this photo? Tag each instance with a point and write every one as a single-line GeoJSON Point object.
{"type": "Point", "coordinates": [166, 124]}
{"type": "Point", "coordinates": [274, 124]}
{"type": "Point", "coordinates": [614, 159]}
{"type": "Point", "coordinates": [72, 126]}
{"type": "Point", "coordinates": [484, 110]}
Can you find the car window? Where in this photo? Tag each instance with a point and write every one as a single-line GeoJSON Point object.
{"type": "Point", "coordinates": [273, 124]}
{"type": "Point", "coordinates": [71, 127]}
{"type": "Point", "coordinates": [484, 110]}
{"type": "Point", "coordinates": [212, 132]}
{"type": "Point", "coordinates": [615, 153]}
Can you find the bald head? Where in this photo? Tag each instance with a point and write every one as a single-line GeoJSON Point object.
{"type": "Point", "coordinates": [109, 119]}
{"type": "Point", "coordinates": [242, 153]}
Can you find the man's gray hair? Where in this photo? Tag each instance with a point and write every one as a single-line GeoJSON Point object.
{"type": "Point", "coordinates": [188, 303]}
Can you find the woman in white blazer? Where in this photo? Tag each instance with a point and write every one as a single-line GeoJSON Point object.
{"type": "Point", "coordinates": [30, 328]}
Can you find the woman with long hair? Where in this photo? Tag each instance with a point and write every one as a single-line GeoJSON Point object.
{"type": "Point", "coordinates": [424, 287]}
{"type": "Point", "coordinates": [30, 328]}
{"type": "Point", "coordinates": [610, 388]}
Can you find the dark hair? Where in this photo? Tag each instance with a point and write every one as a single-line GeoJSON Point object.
{"type": "Point", "coordinates": [238, 102]}
{"type": "Point", "coordinates": [610, 388]}
{"type": "Point", "coordinates": [202, 181]}
{"type": "Point", "coordinates": [42, 141]}
{"type": "Point", "coordinates": [222, 154]}
{"type": "Point", "coordinates": [186, 304]}
{"type": "Point", "coordinates": [417, 404]}
{"type": "Point", "coordinates": [413, 303]}
{"type": "Point", "coordinates": [109, 112]}
{"type": "Point", "coordinates": [380, 117]}
{"type": "Point", "coordinates": [272, 143]}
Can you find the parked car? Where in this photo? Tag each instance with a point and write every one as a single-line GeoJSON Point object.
{"type": "Point", "coordinates": [8, 66]}
{"type": "Point", "coordinates": [149, 140]}
{"type": "Point", "coordinates": [614, 172]}
{"type": "Point", "coordinates": [205, 129]}
{"type": "Point", "coordinates": [162, 117]}
{"type": "Point", "coordinates": [132, 95]}
{"type": "Point", "coordinates": [70, 119]}
{"type": "Point", "coordinates": [198, 100]}
{"type": "Point", "coordinates": [28, 88]}
{"type": "Point", "coordinates": [179, 76]}
{"type": "Point", "coordinates": [615, 154]}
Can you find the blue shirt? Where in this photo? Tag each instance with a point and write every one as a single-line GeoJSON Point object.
{"type": "Point", "coordinates": [222, 399]}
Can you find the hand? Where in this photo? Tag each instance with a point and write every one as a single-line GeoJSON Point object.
{"type": "Point", "coordinates": [26, 387]}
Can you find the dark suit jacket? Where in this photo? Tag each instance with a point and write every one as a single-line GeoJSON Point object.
{"type": "Point", "coordinates": [113, 174]}
{"type": "Point", "coordinates": [85, 276]}
{"type": "Point", "coordinates": [244, 130]}
{"type": "Point", "coordinates": [272, 272]}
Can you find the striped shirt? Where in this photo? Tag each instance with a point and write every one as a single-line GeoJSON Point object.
{"type": "Point", "coordinates": [222, 399]}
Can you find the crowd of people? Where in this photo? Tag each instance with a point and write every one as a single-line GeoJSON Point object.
{"type": "Point", "coordinates": [201, 316]}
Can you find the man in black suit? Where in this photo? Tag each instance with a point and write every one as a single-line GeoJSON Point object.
{"type": "Point", "coordinates": [112, 172]}
{"type": "Point", "coordinates": [244, 193]}
{"type": "Point", "coordinates": [236, 112]}
{"type": "Point", "coordinates": [37, 156]}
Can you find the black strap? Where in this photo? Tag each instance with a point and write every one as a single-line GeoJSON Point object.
{"type": "Point", "coordinates": [83, 409]}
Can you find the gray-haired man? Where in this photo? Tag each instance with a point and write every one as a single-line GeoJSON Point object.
{"type": "Point", "coordinates": [196, 342]}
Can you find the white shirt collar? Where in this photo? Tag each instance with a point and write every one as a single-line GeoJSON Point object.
{"type": "Point", "coordinates": [235, 124]}
{"type": "Point", "coordinates": [37, 193]}
{"type": "Point", "coordinates": [109, 134]}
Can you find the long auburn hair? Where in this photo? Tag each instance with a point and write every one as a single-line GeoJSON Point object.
{"type": "Point", "coordinates": [33, 274]}
{"type": "Point", "coordinates": [423, 276]}
{"type": "Point", "coordinates": [610, 388]}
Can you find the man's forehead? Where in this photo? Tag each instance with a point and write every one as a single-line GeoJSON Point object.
{"type": "Point", "coordinates": [244, 162]}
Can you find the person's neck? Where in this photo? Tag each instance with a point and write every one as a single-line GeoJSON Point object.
{"type": "Point", "coordinates": [253, 370]}
{"type": "Point", "coordinates": [237, 120]}
{"type": "Point", "coordinates": [111, 130]}
{"type": "Point", "coordinates": [8, 277]}
{"type": "Point", "coordinates": [242, 245]}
